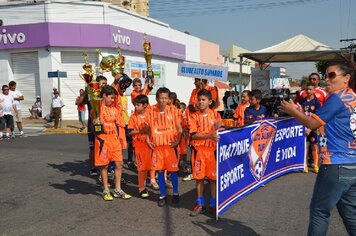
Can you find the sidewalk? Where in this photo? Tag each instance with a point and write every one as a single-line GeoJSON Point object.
{"type": "Point", "coordinates": [67, 126]}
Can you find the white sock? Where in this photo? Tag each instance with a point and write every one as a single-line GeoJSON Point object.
{"type": "Point", "coordinates": [21, 132]}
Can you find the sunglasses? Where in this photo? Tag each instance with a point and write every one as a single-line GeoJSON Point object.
{"type": "Point", "coordinates": [332, 75]}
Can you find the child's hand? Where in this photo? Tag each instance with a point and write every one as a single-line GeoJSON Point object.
{"type": "Point", "coordinates": [215, 137]}
{"type": "Point", "coordinates": [217, 125]}
{"type": "Point", "coordinates": [96, 121]}
{"type": "Point", "coordinates": [307, 131]}
{"type": "Point", "coordinates": [150, 144]}
{"type": "Point", "coordinates": [175, 144]}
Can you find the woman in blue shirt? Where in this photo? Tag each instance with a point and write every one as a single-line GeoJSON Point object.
{"type": "Point", "coordinates": [336, 182]}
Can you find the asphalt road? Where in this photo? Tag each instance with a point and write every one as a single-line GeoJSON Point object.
{"type": "Point", "coordinates": [45, 190]}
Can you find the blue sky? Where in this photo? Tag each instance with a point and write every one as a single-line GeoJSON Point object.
{"type": "Point", "coordinates": [265, 23]}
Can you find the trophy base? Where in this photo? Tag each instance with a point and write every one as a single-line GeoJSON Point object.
{"type": "Point", "coordinates": [98, 129]}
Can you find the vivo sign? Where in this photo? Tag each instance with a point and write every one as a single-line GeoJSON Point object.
{"type": "Point", "coordinates": [121, 38]}
{"type": "Point", "coordinates": [11, 38]}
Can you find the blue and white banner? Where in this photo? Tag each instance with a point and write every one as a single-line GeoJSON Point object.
{"type": "Point", "coordinates": [203, 71]}
{"type": "Point", "coordinates": [254, 155]}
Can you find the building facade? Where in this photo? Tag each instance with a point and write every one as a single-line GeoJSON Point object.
{"type": "Point", "coordinates": [37, 38]}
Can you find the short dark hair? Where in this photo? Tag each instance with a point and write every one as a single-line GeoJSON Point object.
{"type": "Point", "coordinates": [173, 96]}
{"type": "Point", "coordinates": [4, 86]}
{"type": "Point", "coordinates": [311, 84]}
{"type": "Point", "coordinates": [136, 80]}
{"type": "Point", "coordinates": [100, 78]}
{"type": "Point", "coordinates": [141, 99]}
{"type": "Point", "coordinates": [162, 90]}
{"type": "Point", "coordinates": [256, 93]}
{"type": "Point", "coordinates": [206, 93]}
{"type": "Point", "coordinates": [314, 73]}
{"type": "Point", "coordinates": [248, 92]}
{"type": "Point", "coordinates": [12, 83]}
{"type": "Point", "coordinates": [108, 90]}
{"type": "Point", "coordinates": [182, 104]}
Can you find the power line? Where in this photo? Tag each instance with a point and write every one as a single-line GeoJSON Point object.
{"type": "Point", "coordinates": [191, 8]}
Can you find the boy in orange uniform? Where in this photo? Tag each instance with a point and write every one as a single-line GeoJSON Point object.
{"type": "Point", "coordinates": [203, 127]}
{"type": "Point", "coordinates": [137, 84]}
{"type": "Point", "coordinates": [138, 129]}
{"type": "Point", "coordinates": [184, 141]}
{"type": "Point", "coordinates": [164, 135]}
{"type": "Point", "coordinates": [107, 146]}
{"type": "Point", "coordinates": [239, 114]}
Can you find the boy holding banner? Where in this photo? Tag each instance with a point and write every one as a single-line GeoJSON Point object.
{"type": "Point", "coordinates": [203, 126]}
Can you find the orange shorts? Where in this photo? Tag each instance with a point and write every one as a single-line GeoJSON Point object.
{"type": "Point", "coordinates": [122, 137]}
{"type": "Point", "coordinates": [106, 149]}
{"type": "Point", "coordinates": [165, 158]}
{"type": "Point", "coordinates": [143, 154]}
{"type": "Point", "coordinates": [183, 144]}
{"type": "Point", "coordinates": [204, 163]}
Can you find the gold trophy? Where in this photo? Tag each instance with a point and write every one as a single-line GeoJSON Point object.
{"type": "Point", "coordinates": [93, 89]}
{"type": "Point", "coordinates": [148, 57]}
{"type": "Point", "coordinates": [107, 62]}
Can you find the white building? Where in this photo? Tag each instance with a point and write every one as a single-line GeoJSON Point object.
{"type": "Point", "coordinates": [37, 38]}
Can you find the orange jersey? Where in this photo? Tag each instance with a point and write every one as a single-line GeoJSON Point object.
{"type": "Point", "coordinates": [213, 91]}
{"type": "Point", "coordinates": [194, 97]}
{"type": "Point", "coordinates": [163, 125]}
{"type": "Point", "coordinates": [109, 118]}
{"type": "Point", "coordinates": [204, 124]}
{"type": "Point", "coordinates": [239, 114]}
{"type": "Point", "coordinates": [137, 122]}
{"type": "Point", "coordinates": [135, 93]}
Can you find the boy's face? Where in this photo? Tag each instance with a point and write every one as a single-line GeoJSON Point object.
{"type": "Point", "coordinates": [102, 83]}
{"type": "Point", "coordinates": [182, 108]}
{"type": "Point", "coordinates": [139, 107]}
{"type": "Point", "coordinates": [162, 100]}
{"type": "Point", "coordinates": [310, 91]}
{"type": "Point", "coordinates": [108, 99]}
{"type": "Point", "coordinates": [245, 98]}
{"type": "Point", "coordinates": [137, 86]}
{"type": "Point", "coordinates": [254, 101]}
{"type": "Point", "coordinates": [203, 102]}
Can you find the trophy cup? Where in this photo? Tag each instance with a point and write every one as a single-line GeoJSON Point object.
{"type": "Point", "coordinates": [148, 57]}
{"type": "Point", "coordinates": [93, 89]}
{"type": "Point", "coordinates": [107, 62]}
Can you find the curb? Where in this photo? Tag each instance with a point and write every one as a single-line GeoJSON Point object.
{"type": "Point", "coordinates": [64, 131]}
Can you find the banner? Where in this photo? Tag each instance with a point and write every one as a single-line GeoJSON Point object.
{"type": "Point", "coordinates": [254, 155]}
{"type": "Point", "coordinates": [139, 70]}
{"type": "Point", "coordinates": [203, 71]}
{"type": "Point", "coordinates": [260, 80]}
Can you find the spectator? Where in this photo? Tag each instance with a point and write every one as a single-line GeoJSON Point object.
{"type": "Point", "coordinates": [81, 109]}
{"type": "Point", "coordinates": [17, 95]}
{"type": "Point", "coordinates": [7, 105]}
{"type": "Point", "coordinates": [57, 104]}
{"type": "Point", "coordinates": [36, 109]}
{"type": "Point", "coordinates": [335, 184]}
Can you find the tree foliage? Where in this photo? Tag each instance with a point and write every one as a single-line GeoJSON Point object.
{"type": "Point", "coordinates": [321, 66]}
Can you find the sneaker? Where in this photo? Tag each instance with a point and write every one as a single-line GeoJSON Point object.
{"type": "Point", "coordinates": [93, 172]}
{"type": "Point", "coordinates": [8, 137]}
{"type": "Point", "coordinates": [119, 193]}
{"type": "Point", "coordinates": [21, 134]}
{"type": "Point", "coordinates": [144, 194]}
{"type": "Point", "coordinates": [175, 199]}
{"type": "Point", "coordinates": [107, 195]}
{"type": "Point", "coordinates": [162, 201]}
{"type": "Point", "coordinates": [188, 177]}
{"type": "Point", "coordinates": [197, 210]}
{"type": "Point", "coordinates": [316, 169]}
{"type": "Point", "coordinates": [169, 184]}
{"type": "Point", "coordinates": [154, 185]}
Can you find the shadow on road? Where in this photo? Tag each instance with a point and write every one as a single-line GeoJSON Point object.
{"type": "Point", "coordinates": [225, 227]}
{"type": "Point", "coordinates": [72, 186]}
{"type": "Point", "coordinates": [74, 168]}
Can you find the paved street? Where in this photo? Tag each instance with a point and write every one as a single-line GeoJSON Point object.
{"type": "Point", "coordinates": [46, 190]}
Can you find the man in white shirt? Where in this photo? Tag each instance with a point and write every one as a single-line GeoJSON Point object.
{"type": "Point", "coordinates": [7, 106]}
{"type": "Point", "coordinates": [57, 104]}
{"type": "Point", "coordinates": [17, 95]}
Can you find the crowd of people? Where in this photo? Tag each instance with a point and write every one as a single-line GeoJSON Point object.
{"type": "Point", "coordinates": [158, 137]}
